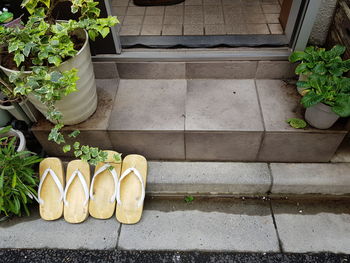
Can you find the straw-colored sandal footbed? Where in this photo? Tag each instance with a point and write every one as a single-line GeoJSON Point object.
{"type": "Point", "coordinates": [76, 211]}
{"type": "Point", "coordinates": [101, 207]}
{"type": "Point", "coordinates": [130, 190]}
{"type": "Point", "coordinates": [52, 208]}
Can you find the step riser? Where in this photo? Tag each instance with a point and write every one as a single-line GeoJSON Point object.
{"type": "Point", "coordinates": [233, 146]}
{"type": "Point", "coordinates": [196, 70]}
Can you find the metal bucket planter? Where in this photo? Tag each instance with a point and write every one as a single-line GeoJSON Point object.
{"type": "Point", "coordinates": [5, 117]}
{"type": "Point", "coordinates": [80, 105]}
{"type": "Point", "coordinates": [24, 111]}
{"type": "Point", "coordinates": [22, 141]}
{"type": "Point", "coordinates": [321, 116]}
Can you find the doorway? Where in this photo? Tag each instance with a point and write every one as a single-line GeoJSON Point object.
{"type": "Point", "coordinates": [201, 23]}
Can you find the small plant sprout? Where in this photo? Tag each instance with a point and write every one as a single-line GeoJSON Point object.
{"type": "Point", "coordinates": [189, 199]}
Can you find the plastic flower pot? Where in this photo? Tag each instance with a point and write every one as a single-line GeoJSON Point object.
{"type": "Point", "coordinates": [321, 116]}
{"type": "Point", "coordinates": [80, 105]}
{"type": "Point", "coordinates": [22, 141]}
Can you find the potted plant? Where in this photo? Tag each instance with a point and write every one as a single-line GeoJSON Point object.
{"type": "Point", "coordinates": [49, 61]}
{"type": "Point", "coordinates": [17, 178]}
{"type": "Point", "coordinates": [327, 98]}
{"type": "Point", "coordinates": [318, 61]}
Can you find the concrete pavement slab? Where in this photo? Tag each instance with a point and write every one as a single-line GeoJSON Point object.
{"type": "Point", "coordinates": [225, 225]}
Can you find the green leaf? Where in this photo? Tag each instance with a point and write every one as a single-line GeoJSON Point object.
{"type": "Point", "coordinates": [14, 180]}
{"type": "Point", "coordinates": [78, 153]}
{"type": "Point", "coordinates": [342, 105]}
{"type": "Point", "coordinates": [5, 129]}
{"type": "Point", "coordinates": [337, 50]}
{"type": "Point", "coordinates": [76, 145]}
{"type": "Point", "coordinates": [74, 134]}
{"type": "Point", "coordinates": [118, 157]}
{"type": "Point", "coordinates": [301, 68]}
{"type": "Point", "coordinates": [66, 148]}
{"type": "Point", "coordinates": [189, 199]}
{"type": "Point", "coordinates": [311, 99]}
{"type": "Point", "coordinates": [297, 123]}
{"type": "Point", "coordinates": [19, 58]}
{"type": "Point", "coordinates": [27, 48]}
{"type": "Point", "coordinates": [320, 68]}
{"type": "Point", "coordinates": [56, 60]}
{"type": "Point", "coordinates": [105, 31]}
{"type": "Point", "coordinates": [296, 56]}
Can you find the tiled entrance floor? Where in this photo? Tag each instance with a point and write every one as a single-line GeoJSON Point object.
{"type": "Point", "coordinates": [200, 17]}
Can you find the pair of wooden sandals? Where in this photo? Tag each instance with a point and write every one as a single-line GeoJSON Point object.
{"type": "Point", "coordinates": [115, 186]}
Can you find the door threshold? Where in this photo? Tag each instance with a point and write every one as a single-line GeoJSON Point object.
{"type": "Point", "coordinates": [200, 54]}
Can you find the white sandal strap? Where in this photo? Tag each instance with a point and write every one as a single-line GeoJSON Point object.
{"type": "Point", "coordinates": [138, 175]}
{"type": "Point", "coordinates": [56, 180]}
{"type": "Point", "coordinates": [115, 178]}
{"type": "Point", "coordinates": [83, 183]}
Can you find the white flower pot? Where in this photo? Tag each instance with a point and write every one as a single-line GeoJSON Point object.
{"type": "Point", "coordinates": [22, 141]}
{"type": "Point", "coordinates": [321, 116]}
{"type": "Point", "coordinates": [80, 105]}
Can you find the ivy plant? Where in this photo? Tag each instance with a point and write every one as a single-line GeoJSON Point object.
{"type": "Point", "coordinates": [39, 46]}
{"type": "Point", "coordinates": [17, 178]}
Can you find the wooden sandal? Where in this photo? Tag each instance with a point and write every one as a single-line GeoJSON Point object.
{"type": "Point", "coordinates": [131, 189]}
{"type": "Point", "coordinates": [50, 192]}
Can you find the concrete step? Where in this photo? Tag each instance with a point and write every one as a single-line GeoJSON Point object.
{"type": "Point", "coordinates": [218, 179]}
{"type": "Point", "coordinates": [201, 120]}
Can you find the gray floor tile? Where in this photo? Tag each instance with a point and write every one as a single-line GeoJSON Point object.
{"type": "Point", "coordinates": [194, 29]}
{"type": "Point", "coordinates": [231, 106]}
{"type": "Point", "coordinates": [225, 146]}
{"type": "Point", "coordinates": [213, 226]}
{"type": "Point", "coordinates": [152, 145]}
{"type": "Point", "coordinates": [276, 29]}
{"type": "Point", "coordinates": [153, 105]}
{"type": "Point", "coordinates": [215, 29]}
{"type": "Point", "coordinates": [155, 10]}
{"type": "Point", "coordinates": [130, 30]}
{"type": "Point", "coordinates": [172, 30]}
{"type": "Point", "coordinates": [145, 70]}
{"type": "Point", "coordinates": [313, 226]}
{"type": "Point", "coordinates": [151, 30]}
{"type": "Point", "coordinates": [299, 146]}
{"type": "Point", "coordinates": [34, 232]}
{"type": "Point", "coordinates": [221, 70]}
{"type": "Point", "coordinates": [275, 70]}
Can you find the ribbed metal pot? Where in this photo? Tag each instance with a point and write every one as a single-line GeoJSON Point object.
{"type": "Point", "coordinates": [80, 105]}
